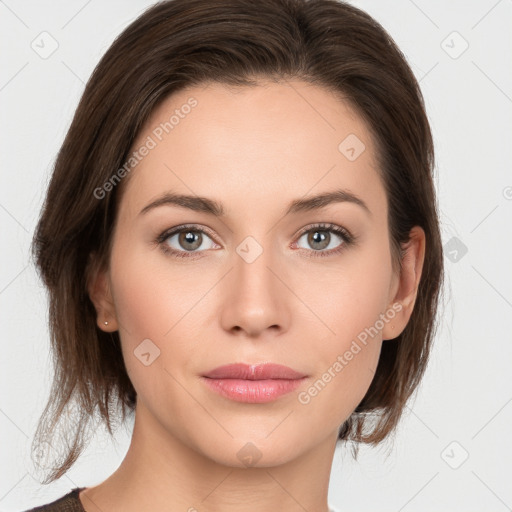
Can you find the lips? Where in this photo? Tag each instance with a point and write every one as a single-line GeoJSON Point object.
{"type": "Point", "coordinates": [263, 371]}
{"type": "Point", "coordinates": [257, 383]}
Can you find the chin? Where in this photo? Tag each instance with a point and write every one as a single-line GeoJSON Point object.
{"type": "Point", "coordinates": [258, 451]}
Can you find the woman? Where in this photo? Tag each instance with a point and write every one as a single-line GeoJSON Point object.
{"type": "Point", "coordinates": [241, 246]}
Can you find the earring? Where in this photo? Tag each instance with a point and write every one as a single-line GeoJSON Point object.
{"type": "Point", "coordinates": [106, 323]}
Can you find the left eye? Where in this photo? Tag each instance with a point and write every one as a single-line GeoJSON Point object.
{"type": "Point", "coordinates": [321, 239]}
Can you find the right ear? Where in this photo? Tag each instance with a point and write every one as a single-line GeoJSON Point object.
{"type": "Point", "coordinates": [98, 287]}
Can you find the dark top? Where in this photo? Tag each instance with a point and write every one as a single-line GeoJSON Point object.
{"type": "Point", "coordinates": [70, 502]}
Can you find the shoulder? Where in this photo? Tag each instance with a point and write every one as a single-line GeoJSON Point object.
{"type": "Point", "coordinates": [67, 503]}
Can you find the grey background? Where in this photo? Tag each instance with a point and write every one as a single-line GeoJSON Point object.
{"type": "Point", "coordinates": [463, 408]}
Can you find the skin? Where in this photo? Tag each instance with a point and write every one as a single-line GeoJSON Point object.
{"type": "Point", "coordinates": [254, 149]}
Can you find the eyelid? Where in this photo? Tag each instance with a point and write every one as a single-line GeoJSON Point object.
{"type": "Point", "coordinates": [348, 239]}
{"type": "Point", "coordinates": [193, 227]}
{"type": "Point", "coordinates": [161, 239]}
{"type": "Point", "coordinates": [328, 226]}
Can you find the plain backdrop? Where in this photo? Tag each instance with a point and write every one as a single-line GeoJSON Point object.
{"type": "Point", "coordinates": [453, 449]}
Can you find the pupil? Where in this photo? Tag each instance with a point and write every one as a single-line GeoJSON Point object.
{"type": "Point", "coordinates": [189, 237]}
{"type": "Point", "coordinates": [318, 237]}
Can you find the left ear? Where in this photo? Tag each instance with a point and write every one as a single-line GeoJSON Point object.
{"type": "Point", "coordinates": [407, 287]}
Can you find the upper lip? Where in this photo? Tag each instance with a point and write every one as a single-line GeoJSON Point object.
{"type": "Point", "coordinates": [262, 371]}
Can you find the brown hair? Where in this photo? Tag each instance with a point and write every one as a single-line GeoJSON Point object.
{"type": "Point", "coordinates": [180, 43]}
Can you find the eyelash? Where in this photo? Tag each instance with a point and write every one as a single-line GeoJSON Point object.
{"type": "Point", "coordinates": [344, 234]}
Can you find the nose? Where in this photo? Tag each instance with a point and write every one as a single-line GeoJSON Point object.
{"type": "Point", "coordinates": [256, 301]}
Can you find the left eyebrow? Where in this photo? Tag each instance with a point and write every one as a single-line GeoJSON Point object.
{"type": "Point", "coordinates": [321, 200]}
{"type": "Point", "coordinates": [212, 207]}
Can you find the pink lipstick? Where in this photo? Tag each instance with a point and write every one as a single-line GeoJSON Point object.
{"type": "Point", "coordinates": [257, 383]}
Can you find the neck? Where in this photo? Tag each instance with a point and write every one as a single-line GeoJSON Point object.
{"type": "Point", "coordinates": [163, 473]}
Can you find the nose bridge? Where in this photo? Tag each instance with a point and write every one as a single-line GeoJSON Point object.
{"type": "Point", "coordinates": [253, 261]}
{"type": "Point", "coordinates": [255, 300]}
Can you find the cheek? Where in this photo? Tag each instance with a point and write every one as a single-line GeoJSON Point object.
{"type": "Point", "coordinates": [152, 308]}
{"type": "Point", "coordinates": [353, 304]}
{"type": "Point", "coordinates": [351, 297]}
{"type": "Point", "coordinates": [152, 304]}
{"type": "Point", "coordinates": [152, 296]}
{"type": "Point", "coordinates": [346, 365]}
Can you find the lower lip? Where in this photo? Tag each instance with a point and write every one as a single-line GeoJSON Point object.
{"type": "Point", "coordinates": [253, 391]}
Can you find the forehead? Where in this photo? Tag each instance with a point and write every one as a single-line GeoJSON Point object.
{"type": "Point", "coordinates": [264, 144]}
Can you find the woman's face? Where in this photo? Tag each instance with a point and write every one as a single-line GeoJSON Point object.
{"type": "Point", "coordinates": [261, 283]}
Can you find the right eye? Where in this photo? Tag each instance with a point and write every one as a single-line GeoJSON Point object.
{"type": "Point", "coordinates": [184, 241]}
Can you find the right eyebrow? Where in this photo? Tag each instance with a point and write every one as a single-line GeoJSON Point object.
{"type": "Point", "coordinates": [196, 203]}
